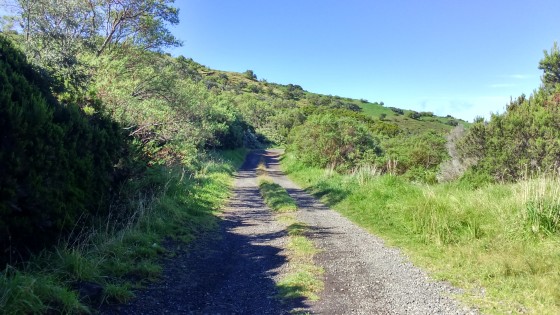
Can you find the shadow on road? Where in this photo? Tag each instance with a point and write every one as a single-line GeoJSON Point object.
{"type": "Point", "coordinates": [223, 271]}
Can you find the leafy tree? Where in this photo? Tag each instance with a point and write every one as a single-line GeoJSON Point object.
{"type": "Point", "coordinates": [550, 65]}
{"type": "Point", "coordinates": [524, 139]}
{"type": "Point", "coordinates": [57, 33]}
{"type": "Point", "coordinates": [57, 163]}
{"type": "Point", "coordinates": [413, 114]}
{"type": "Point", "coordinates": [249, 74]}
{"type": "Point", "coordinates": [397, 111]}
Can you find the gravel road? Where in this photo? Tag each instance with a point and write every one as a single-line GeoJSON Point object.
{"type": "Point", "coordinates": [233, 270]}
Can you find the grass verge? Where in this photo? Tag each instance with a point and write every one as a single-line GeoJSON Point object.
{"type": "Point", "coordinates": [500, 243]}
{"type": "Point", "coordinates": [104, 264]}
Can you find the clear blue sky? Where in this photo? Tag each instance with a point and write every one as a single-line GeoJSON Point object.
{"type": "Point", "coordinates": [464, 58]}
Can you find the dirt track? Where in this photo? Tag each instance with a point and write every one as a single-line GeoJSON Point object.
{"type": "Point", "coordinates": [233, 269]}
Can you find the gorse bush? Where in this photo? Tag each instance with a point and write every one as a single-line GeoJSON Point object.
{"type": "Point", "coordinates": [329, 140]}
{"type": "Point", "coordinates": [57, 164]}
{"type": "Point", "coordinates": [415, 155]}
{"type": "Point", "coordinates": [523, 140]}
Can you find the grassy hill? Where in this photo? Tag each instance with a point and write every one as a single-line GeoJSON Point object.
{"type": "Point", "coordinates": [247, 82]}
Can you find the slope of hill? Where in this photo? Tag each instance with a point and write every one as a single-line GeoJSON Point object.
{"type": "Point", "coordinates": [247, 82]}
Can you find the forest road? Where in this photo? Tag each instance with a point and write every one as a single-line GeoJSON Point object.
{"type": "Point", "coordinates": [233, 269]}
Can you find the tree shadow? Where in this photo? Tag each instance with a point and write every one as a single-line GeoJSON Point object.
{"type": "Point", "coordinates": [224, 270]}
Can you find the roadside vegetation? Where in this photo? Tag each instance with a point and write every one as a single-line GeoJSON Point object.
{"type": "Point", "coordinates": [107, 261]}
{"type": "Point", "coordinates": [498, 242]}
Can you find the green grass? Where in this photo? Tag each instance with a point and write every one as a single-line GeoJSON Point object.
{"type": "Point", "coordinates": [416, 126]}
{"type": "Point", "coordinates": [500, 242]}
{"type": "Point", "coordinates": [275, 196]}
{"type": "Point", "coordinates": [304, 278]}
{"type": "Point", "coordinates": [375, 110]}
{"type": "Point", "coordinates": [302, 283]}
{"type": "Point", "coordinates": [121, 254]}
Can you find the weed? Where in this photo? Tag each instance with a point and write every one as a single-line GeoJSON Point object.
{"type": "Point", "coordinates": [302, 283]}
{"type": "Point", "coordinates": [119, 293]}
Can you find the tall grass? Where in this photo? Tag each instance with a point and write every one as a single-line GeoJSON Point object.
{"type": "Point", "coordinates": [104, 263]}
{"type": "Point", "coordinates": [499, 242]}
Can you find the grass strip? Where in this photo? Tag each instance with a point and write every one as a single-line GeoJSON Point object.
{"type": "Point", "coordinates": [121, 254]}
{"type": "Point", "coordinates": [276, 197]}
{"type": "Point", "coordinates": [500, 243]}
{"type": "Point", "coordinates": [303, 278]}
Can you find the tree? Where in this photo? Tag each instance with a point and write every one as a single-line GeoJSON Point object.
{"type": "Point", "coordinates": [56, 32]}
{"type": "Point", "coordinates": [550, 64]}
{"type": "Point", "coordinates": [249, 74]}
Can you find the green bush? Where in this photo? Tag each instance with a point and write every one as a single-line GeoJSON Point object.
{"type": "Point", "coordinates": [397, 111]}
{"type": "Point", "coordinates": [524, 139]}
{"type": "Point", "coordinates": [336, 141]}
{"type": "Point", "coordinates": [520, 142]}
{"type": "Point", "coordinates": [57, 163]}
{"type": "Point", "coordinates": [413, 115]}
{"type": "Point", "coordinates": [415, 151]}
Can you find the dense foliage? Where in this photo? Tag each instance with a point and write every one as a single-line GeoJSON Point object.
{"type": "Point", "coordinates": [57, 163]}
{"type": "Point", "coordinates": [524, 140]}
{"type": "Point", "coordinates": [335, 141]}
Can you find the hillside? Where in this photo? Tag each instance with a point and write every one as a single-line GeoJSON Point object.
{"type": "Point", "coordinates": [248, 82]}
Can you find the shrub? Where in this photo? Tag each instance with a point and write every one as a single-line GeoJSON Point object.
{"type": "Point", "coordinates": [249, 74]}
{"type": "Point", "coordinates": [413, 114]}
{"type": "Point", "coordinates": [57, 163]}
{"type": "Point", "coordinates": [452, 122]}
{"type": "Point", "coordinates": [521, 141]}
{"type": "Point", "coordinates": [397, 111]}
{"type": "Point", "coordinates": [328, 140]}
{"type": "Point", "coordinates": [425, 151]}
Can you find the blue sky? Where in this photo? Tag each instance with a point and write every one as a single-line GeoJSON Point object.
{"type": "Point", "coordinates": [464, 58]}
